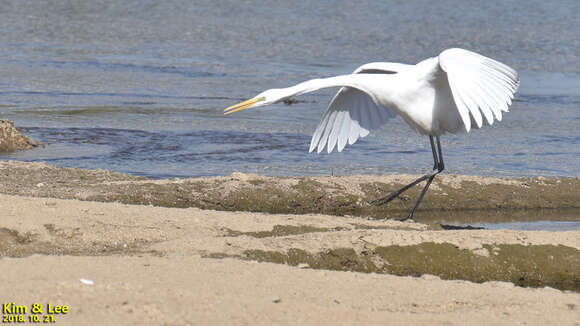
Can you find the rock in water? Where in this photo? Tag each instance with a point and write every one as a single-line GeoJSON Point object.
{"type": "Point", "coordinates": [13, 140]}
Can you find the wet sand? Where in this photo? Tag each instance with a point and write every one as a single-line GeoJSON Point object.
{"type": "Point", "coordinates": [451, 197]}
{"type": "Point", "coordinates": [185, 265]}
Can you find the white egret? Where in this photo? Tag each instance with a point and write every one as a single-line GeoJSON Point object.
{"type": "Point", "coordinates": [449, 93]}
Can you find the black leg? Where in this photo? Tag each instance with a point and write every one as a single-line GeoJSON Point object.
{"type": "Point", "coordinates": [435, 160]}
{"type": "Point", "coordinates": [441, 165]}
{"type": "Point", "coordinates": [410, 216]}
{"type": "Point", "coordinates": [438, 165]}
{"type": "Point", "coordinates": [384, 200]}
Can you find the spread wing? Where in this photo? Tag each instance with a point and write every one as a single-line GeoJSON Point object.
{"type": "Point", "coordinates": [352, 114]}
{"type": "Point", "coordinates": [479, 85]}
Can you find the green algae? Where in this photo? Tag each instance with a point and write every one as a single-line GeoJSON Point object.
{"type": "Point", "coordinates": [65, 242]}
{"type": "Point", "coordinates": [451, 198]}
{"type": "Point", "coordinates": [281, 231]}
{"type": "Point", "coordinates": [339, 259]}
{"type": "Point", "coordinates": [528, 266]}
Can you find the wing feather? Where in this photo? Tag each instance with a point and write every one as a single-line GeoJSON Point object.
{"type": "Point", "coordinates": [333, 137]}
{"type": "Point", "coordinates": [470, 102]}
{"type": "Point", "coordinates": [461, 107]}
{"type": "Point", "coordinates": [344, 131]}
{"type": "Point", "coordinates": [326, 131]}
{"type": "Point", "coordinates": [352, 114]}
{"type": "Point", "coordinates": [492, 102]}
{"type": "Point", "coordinates": [317, 135]}
{"type": "Point", "coordinates": [478, 85]}
{"type": "Point", "coordinates": [354, 127]}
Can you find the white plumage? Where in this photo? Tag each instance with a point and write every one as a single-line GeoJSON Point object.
{"type": "Point", "coordinates": [452, 92]}
{"type": "Point", "coordinates": [449, 93]}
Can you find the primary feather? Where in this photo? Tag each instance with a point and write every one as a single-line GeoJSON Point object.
{"type": "Point", "coordinates": [478, 84]}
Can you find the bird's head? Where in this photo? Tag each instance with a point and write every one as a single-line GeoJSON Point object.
{"type": "Point", "coordinates": [267, 97]}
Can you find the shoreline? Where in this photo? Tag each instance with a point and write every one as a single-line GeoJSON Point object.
{"type": "Point", "coordinates": [451, 198]}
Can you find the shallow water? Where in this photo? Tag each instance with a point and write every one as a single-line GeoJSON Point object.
{"type": "Point", "coordinates": [557, 226]}
{"type": "Point", "coordinates": [139, 86]}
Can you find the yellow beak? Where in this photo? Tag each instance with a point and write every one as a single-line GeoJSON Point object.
{"type": "Point", "coordinates": [242, 106]}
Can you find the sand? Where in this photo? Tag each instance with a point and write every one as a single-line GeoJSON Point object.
{"type": "Point", "coordinates": [125, 264]}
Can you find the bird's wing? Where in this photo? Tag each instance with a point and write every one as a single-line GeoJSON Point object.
{"type": "Point", "coordinates": [479, 85]}
{"type": "Point", "coordinates": [352, 114]}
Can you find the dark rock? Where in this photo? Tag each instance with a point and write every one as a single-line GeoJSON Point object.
{"type": "Point", "coordinates": [13, 140]}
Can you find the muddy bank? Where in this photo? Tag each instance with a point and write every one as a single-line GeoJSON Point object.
{"type": "Point", "coordinates": [454, 197]}
{"type": "Point", "coordinates": [13, 140]}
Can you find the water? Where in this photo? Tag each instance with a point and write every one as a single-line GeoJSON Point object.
{"type": "Point", "coordinates": [139, 86]}
{"type": "Point", "coordinates": [554, 226]}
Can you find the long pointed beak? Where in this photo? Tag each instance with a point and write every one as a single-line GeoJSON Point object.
{"type": "Point", "coordinates": [242, 106]}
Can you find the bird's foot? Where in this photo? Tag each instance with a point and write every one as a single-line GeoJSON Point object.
{"type": "Point", "coordinates": [410, 217]}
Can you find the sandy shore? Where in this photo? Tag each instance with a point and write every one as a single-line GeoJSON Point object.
{"type": "Point", "coordinates": [117, 263]}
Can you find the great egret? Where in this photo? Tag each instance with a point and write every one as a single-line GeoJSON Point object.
{"type": "Point", "coordinates": [449, 93]}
